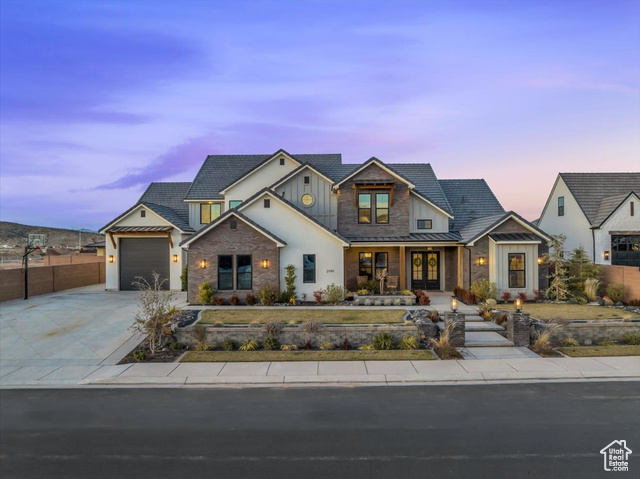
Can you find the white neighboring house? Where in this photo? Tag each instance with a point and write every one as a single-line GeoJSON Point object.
{"type": "Point", "coordinates": [599, 212]}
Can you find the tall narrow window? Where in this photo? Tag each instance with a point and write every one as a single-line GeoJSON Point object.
{"type": "Point", "coordinates": [143, 213]}
{"type": "Point", "coordinates": [631, 208]}
{"type": "Point", "coordinates": [516, 270]}
{"type": "Point", "coordinates": [381, 263]}
{"type": "Point", "coordinates": [382, 208]}
{"type": "Point", "coordinates": [243, 272]}
{"type": "Point", "coordinates": [205, 213]}
{"type": "Point", "coordinates": [309, 268]}
{"type": "Point", "coordinates": [216, 210]}
{"type": "Point", "coordinates": [267, 203]}
{"type": "Point", "coordinates": [364, 265]}
{"type": "Point", "coordinates": [561, 206]}
{"type": "Point", "coordinates": [307, 180]}
{"type": "Point", "coordinates": [234, 203]}
{"type": "Point", "coordinates": [281, 161]}
{"type": "Point", "coordinates": [364, 208]}
{"type": "Point", "coordinates": [225, 272]}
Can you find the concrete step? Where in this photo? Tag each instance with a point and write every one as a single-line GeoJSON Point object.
{"type": "Point", "coordinates": [489, 339]}
{"type": "Point", "coordinates": [473, 318]}
{"type": "Point", "coordinates": [476, 326]}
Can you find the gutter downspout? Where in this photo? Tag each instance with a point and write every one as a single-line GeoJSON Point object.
{"type": "Point", "coordinates": [593, 243]}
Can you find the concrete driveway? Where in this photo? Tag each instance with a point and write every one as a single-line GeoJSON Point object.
{"type": "Point", "coordinates": [83, 327]}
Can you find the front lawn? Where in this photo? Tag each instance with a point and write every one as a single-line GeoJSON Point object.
{"type": "Point", "coordinates": [548, 311]}
{"type": "Point", "coordinates": [338, 355]}
{"type": "Point", "coordinates": [596, 351]}
{"type": "Point", "coordinates": [298, 315]}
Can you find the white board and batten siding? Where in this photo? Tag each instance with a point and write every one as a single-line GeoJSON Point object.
{"type": "Point", "coordinates": [499, 266]}
{"type": "Point", "coordinates": [325, 205]}
{"type": "Point", "coordinates": [302, 237]}
{"type": "Point", "coordinates": [419, 209]}
{"type": "Point", "coordinates": [194, 213]}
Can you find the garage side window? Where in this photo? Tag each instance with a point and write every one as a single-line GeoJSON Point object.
{"type": "Point", "coordinates": [243, 273]}
{"type": "Point", "coordinates": [225, 272]}
{"type": "Point", "coordinates": [516, 270]}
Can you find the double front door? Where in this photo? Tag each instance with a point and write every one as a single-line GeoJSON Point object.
{"type": "Point", "coordinates": [425, 270]}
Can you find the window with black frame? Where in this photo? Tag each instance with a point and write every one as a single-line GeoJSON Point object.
{"type": "Point", "coordinates": [364, 265]}
{"type": "Point", "coordinates": [225, 272]}
{"type": "Point", "coordinates": [625, 250]}
{"type": "Point", "coordinates": [517, 270]}
{"type": "Point", "coordinates": [309, 268]}
{"type": "Point", "coordinates": [561, 206]}
{"type": "Point", "coordinates": [364, 208]}
{"type": "Point", "coordinates": [382, 208]}
{"type": "Point", "coordinates": [243, 271]}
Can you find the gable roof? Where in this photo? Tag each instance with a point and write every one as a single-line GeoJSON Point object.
{"type": "Point", "coordinates": [382, 165]}
{"type": "Point", "coordinates": [426, 184]}
{"type": "Point", "coordinates": [470, 200]}
{"type": "Point", "coordinates": [240, 216]}
{"type": "Point", "coordinates": [166, 213]}
{"type": "Point", "coordinates": [476, 229]}
{"type": "Point", "coordinates": [608, 206]}
{"type": "Point", "coordinates": [589, 189]}
{"type": "Point", "coordinates": [220, 171]}
{"type": "Point", "coordinates": [303, 166]}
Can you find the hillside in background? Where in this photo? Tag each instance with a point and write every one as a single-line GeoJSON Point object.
{"type": "Point", "coordinates": [17, 234]}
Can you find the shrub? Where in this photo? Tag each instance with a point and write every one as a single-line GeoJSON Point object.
{"type": "Point", "coordinates": [290, 282]}
{"type": "Point", "coordinates": [327, 346]}
{"type": "Point", "coordinates": [484, 289]}
{"type": "Point", "coordinates": [177, 346]}
{"type": "Point", "coordinates": [406, 292]}
{"type": "Point", "coordinates": [605, 342]}
{"type": "Point", "coordinates": [363, 292]}
{"type": "Point", "coordinates": [308, 344]}
{"type": "Point", "coordinates": [345, 345]}
{"type": "Point", "coordinates": [251, 345]}
{"type": "Point", "coordinates": [139, 355]}
{"type": "Point", "coordinates": [218, 301]}
{"type": "Point", "coordinates": [234, 300]}
{"type": "Point", "coordinates": [523, 296]}
{"type": "Point", "coordinates": [408, 343]}
{"type": "Point", "coordinates": [465, 296]}
{"type": "Point", "coordinates": [630, 338]}
{"type": "Point", "coordinates": [591, 286]}
{"type": "Point", "coordinates": [200, 333]}
{"type": "Point", "coordinates": [311, 326]}
{"type": "Point", "coordinates": [443, 345]}
{"type": "Point", "coordinates": [457, 292]}
{"type": "Point", "coordinates": [492, 303]}
{"type": "Point", "coordinates": [634, 302]}
{"type": "Point", "coordinates": [205, 293]}
{"type": "Point", "coordinates": [506, 296]}
{"type": "Point", "coordinates": [538, 295]}
{"type": "Point", "coordinates": [486, 314]}
{"type": "Point", "coordinates": [271, 343]}
{"type": "Point", "coordinates": [542, 343]}
{"type": "Point", "coordinates": [318, 295]}
{"type": "Point", "coordinates": [228, 344]}
{"type": "Point", "coordinates": [184, 279]}
{"type": "Point", "coordinates": [424, 300]}
{"type": "Point", "coordinates": [500, 318]}
{"type": "Point", "coordinates": [570, 342]}
{"type": "Point", "coordinates": [273, 328]}
{"type": "Point", "coordinates": [372, 286]}
{"type": "Point", "coordinates": [204, 347]}
{"type": "Point", "coordinates": [383, 341]}
{"type": "Point", "coordinates": [267, 296]}
{"type": "Point", "coordinates": [288, 347]}
{"type": "Point", "coordinates": [334, 294]}
{"type": "Point", "coordinates": [366, 347]}
{"type": "Point", "coordinates": [249, 300]}
{"type": "Point", "coordinates": [434, 316]}
{"type": "Point", "coordinates": [615, 292]}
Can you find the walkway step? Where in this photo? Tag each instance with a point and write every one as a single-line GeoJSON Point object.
{"type": "Point", "coordinates": [482, 326]}
{"type": "Point", "coordinates": [488, 339]}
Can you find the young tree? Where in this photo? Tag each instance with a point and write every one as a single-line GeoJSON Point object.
{"type": "Point", "coordinates": [558, 288]}
{"type": "Point", "coordinates": [290, 282]}
{"type": "Point", "coordinates": [581, 268]}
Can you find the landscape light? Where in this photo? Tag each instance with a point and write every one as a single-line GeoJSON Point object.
{"type": "Point", "coordinates": [454, 305]}
{"type": "Point", "coordinates": [518, 303]}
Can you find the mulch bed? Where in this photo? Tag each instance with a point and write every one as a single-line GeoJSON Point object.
{"type": "Point", "coordinates": [547, 354]}
{"type": "Point", "coordinates": [453, 354]}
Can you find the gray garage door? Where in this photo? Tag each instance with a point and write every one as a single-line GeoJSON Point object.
{"type": "Point", "coordinates": [142, 256]}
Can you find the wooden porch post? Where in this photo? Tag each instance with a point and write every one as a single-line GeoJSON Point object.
{"type": "Point", "coordinates": [460, 269]}
{"type": "Point", "coordinates": [403, 273]}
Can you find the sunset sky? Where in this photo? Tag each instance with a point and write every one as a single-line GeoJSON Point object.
{"type": "Point", "coordinates": [99, 98]}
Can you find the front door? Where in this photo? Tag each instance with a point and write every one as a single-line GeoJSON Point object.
{"type": "Point", "coordinates": [425, 270]}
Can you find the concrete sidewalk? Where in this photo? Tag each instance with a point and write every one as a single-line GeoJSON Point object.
{"type": "Point", "coordinates": [324, 373]}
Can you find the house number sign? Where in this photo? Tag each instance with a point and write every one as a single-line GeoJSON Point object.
{"type": "Point", "coordinates": [331, 271]}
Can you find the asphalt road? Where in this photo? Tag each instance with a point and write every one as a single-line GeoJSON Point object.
{"type": "Point", "coordinates": [493, 431]}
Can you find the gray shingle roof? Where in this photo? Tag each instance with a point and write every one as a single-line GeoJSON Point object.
{"type": "Point", "coordinates": [607, 206]}
{"type": "Point", "coordinates": [514, 237]}
{"type": "Point", "coordinates": [427, 185]}
{"type": "Point", "coordinates": [219, 171]}
{"type": "Point", "coordinates": [412, 238]}
{"type": "Point", "coordinates": [470, 200]}
{"type": "Point", "coordinates": [589, 189]}
{"type": "Point", "coordinates": [478, 228]}
{"type": "Point", "coordinates": [166, 199]}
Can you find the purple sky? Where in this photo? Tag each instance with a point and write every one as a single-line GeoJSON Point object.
{"type": "Point", "coordinates": [98, 98]}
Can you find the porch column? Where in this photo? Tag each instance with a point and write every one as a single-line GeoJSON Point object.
{"type": "Point", "coordinates": [403, 273]}
{"type": "Point", "coordinates": [460, 274]}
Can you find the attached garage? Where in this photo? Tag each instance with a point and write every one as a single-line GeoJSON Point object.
{"type": "Point", "coordinates": [140, 257]}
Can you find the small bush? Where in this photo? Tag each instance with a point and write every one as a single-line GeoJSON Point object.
{"type": "Point", "coordinates": [311, 326]}
{"type": "Point", "coordinates": [288, 347]}
{"type": "Point", "coordinates": [542, 343]}
{"type": "Point", "coordinates": [491, 302]}
{"type": "Point", "coordinates": [318, 295]}
{"type": "Point", "coordinates": [139, 355]}
{"type": "Point", "coordinates": [605, 342]}
{"type": "Point", "coordinates": [345, 345]}
{"type": "Point", "coordinates": [383, 341]}
{"type": "Point", "coordinates": [363, 292]}
{"type": "Point", "coordinates": [204, 347]}
{"type": "Point", "coordinates": [630, 338]}
{"type": "Point", "coordinates": [443, 345]}
{"type": "Point", "coordinates": [218, 301]}
{"type": "Point", "coordinates": [267, 296]}
{"type": "Point", "coordinates": [200, 333]}
{"type": "Point", "coordinates": [308, 344]}
{"type": "Point", "coordinates": [408, 343]}
{"type": "Point", "coordinates": [591, 286]}
{"type": "Point", "coordinates": [500, 318]}
{"type": "Point", "coordinates": [372, 286]}
{"type": "Point", "coordinates": [234, 300]}
{"type": "Point", "coordinates": [177, 346]}
{"type": "Point", "coordinates": [424, 300]}
{"type": "Point", "coordinates": [434, 316]}
{"type": "Point", "coordinates": [273, 328]}
{"type": "Point", "coordinates": [205, 293]}
{"type": "Point", "coordinates": [570, 342]}
{"type": "Point", "coordinates": [334, 294]}
{"type": "Point", "coordinates": [271, 343]}
{"type": "Point", "coordinates": [506, 296]}
{"type": "Point", "coordinates": [249, 300]}
{"type": "Point", "coordinates": [634, 302]}
{"type": "Point", "coordinates": [523, 296]}
{"type": "Point", "coordinates": [366, 347]}
{"type": "Point", "coordinates": [228, 344]}
{"type": "Point", "coordinates": [484, 289]}
{"type": "Point", "coordinates": [251, 345]}
{"type": "Point", "coordinates": [184, 279]}
{"type": "Point", "coordinates": [486, 314]}
{"type": "Point", "coordinates": [538, 295]}
{"type": "Point", "coordinates": [457, 292]}
{"type": "Point", "coordinates": [615, 292]}
{"type": "Point", "coordinates": [327, 346]}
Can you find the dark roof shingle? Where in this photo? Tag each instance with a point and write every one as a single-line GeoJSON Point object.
{"type": "Point", "coordinates": [470, 200]}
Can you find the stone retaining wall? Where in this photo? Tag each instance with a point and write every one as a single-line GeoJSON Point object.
{"type": "Point", "coordinates": [383, 300]}
{"type": "Point", "coordinates": [594, 331]}
{"type": "Point", "coordinates": [358, 335]}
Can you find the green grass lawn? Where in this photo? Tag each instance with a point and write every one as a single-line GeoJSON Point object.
{"type": "Point", "coordinates": [548, 311]}
{"type": "Point", "coordinates": [595, 351]}
{"type": "Point", "coordinates": [338, 355]}
{"type": "Point", "coordinates": [288, 315]}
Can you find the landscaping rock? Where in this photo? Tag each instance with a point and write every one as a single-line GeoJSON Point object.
{"type": "Point", "coordinates": [427, 328]}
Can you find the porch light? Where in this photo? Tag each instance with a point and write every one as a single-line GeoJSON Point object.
{"type": "Point", "coordinates": [606, 255]}
{"type": "Point", "coordinates": [454, 305]}
{"type": "Point", "coordinates": [203, 263]}
{"type": "Point", "coordinates": [540, 260]}
{"type": "Point", "coordinates": [111, 258]}
{"type": "Point", "coordinates": [481, 260]}
{"type": "Point", "coordinates": [175, 258]}
{"type": "Point", "coordinates": [518, 303]}
{"type": "Point", "coordinates": [265, 263]}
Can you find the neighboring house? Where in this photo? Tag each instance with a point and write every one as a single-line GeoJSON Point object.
{"type": "Point", "coordinates": [98, 246]}
{"type": "Point", "coordinates": [245, 217]}
{"type": "Point", "coordinates": [598, 212]}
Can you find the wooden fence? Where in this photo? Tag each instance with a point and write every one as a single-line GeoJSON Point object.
{"type": "Point", "coordinates": [629, 276]}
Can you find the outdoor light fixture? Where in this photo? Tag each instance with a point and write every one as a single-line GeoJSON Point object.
{"type": "Point", "coordinates": [518, 303]}
{"type": "Point", "coordinates": [481, 260]}
{"type": "Point", "coordinates": [265, 263]}
{"type": "Point", "coordinates": [606, 255]}
{"type": "Point", "coordinates": [454, 305]}
{"type": "Point", "coordinates": [175, 258]}
{"type": "Point", "coordinates": [540, 260]}
{"type": "Point", "coordinates": [203, 263]}
{"type": "Point", "coordinates": [111, 258]}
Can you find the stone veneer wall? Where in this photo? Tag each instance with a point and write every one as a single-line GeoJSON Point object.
{"type": "Point", "coordinates": [594, 331]}
{"type": "Point", "coordinates": [226, 241]}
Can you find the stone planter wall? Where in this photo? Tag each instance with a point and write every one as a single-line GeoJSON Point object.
{"type": "Point", "coordinates": [384, 300]}
{"type": "Point", "coordinates": [591, 332]}
{"type": "Point", "coordinates": [358, 335]}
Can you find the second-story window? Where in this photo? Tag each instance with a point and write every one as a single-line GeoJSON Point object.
{"type": "Point", "coordinates": [425, 224]}
{"type": "Point", "coordinates": [209, 212]}
{"type": "Point", "coordinates": [382, 208]}
{"type": "Point", "coordinates": [364, 208]}
{"type": "Point", "coordinates": [561, 206]}
{"type": "Point", "coordinates": [234, 203]}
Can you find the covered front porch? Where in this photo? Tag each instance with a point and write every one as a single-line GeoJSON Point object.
{"type": "Point", "coordinates": [432, 267]}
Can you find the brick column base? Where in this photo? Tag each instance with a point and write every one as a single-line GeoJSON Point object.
{"type": "Point", "coordinates": [458, 321]}
{"type": "Point", "coordinates": [518, 329]}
